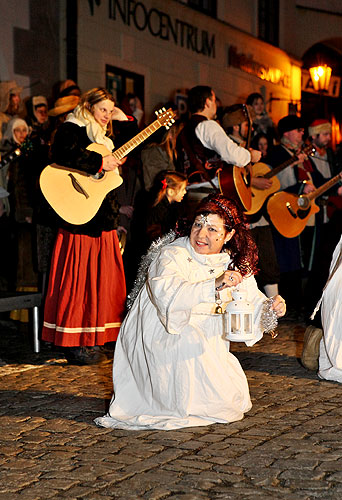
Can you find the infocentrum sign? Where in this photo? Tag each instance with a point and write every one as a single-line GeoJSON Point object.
{"type": "Point", "coordinates": [160, 25]}
{"type": "Point", "coordinates": [246, 63]}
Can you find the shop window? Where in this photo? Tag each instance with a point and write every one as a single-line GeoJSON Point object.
{"type": "Point", "coordinates": [268, 18]}
{"type": "Point", "coordinates": [121, 82]}
{"type": "Point", "coordinates": [208, 7]}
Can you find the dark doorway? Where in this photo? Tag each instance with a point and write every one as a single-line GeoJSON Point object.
{"type": "Point", "coordinates": [121, 82]}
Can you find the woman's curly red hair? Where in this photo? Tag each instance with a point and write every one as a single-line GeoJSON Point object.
{"type": "Point", "coordinates": [241, 246]}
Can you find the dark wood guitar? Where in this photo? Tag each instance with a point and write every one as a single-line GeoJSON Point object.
{"type": "Point", "coordinates": [235, 182]}
{"type": "Point", "coordinates": [289, 213]}
{"type": "Point", "coordinates": [260, 169]}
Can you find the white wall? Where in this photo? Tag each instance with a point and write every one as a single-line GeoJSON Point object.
{"type": "Point", "coordinates": [167, 66]}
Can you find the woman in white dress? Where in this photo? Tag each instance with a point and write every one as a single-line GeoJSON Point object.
{"type": "Point", "coordinates": [330, 352]}
{"type": "Point", "coordinates": [172, 366]}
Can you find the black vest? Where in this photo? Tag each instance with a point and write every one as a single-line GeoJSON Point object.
{"type": "Point", "coordinates": [192, 155]}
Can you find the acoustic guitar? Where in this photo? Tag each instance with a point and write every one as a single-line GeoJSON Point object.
{"type": "Point", "coordinates": [236, 181]}
{"type": "Point", "coordinates": [289, 213]}
{"type": "Point", "coordinates": [260, 169]}
{"type": "Point", "coordinates": [76, 196]}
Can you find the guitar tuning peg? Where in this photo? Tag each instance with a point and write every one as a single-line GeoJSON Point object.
{"type": "Point", "coordinates": [172, 120]}
{"type": "Point", "coordinates": [156, 112]}
{"type": "Point", "coordinates": [167, 127]}
{"type": "Point", "coordinates": [163, 109]}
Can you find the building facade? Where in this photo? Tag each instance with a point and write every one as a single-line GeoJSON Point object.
{"type": "Point", "coordinates": [158, 49]}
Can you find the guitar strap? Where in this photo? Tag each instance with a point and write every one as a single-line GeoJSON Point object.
{"type": "Point", "coordinates": [195, 161]}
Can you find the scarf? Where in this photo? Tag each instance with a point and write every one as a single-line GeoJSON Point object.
{"type": "Point", "coordinates": [95, 132]}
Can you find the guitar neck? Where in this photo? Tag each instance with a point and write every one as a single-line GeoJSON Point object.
{"type": "Point", "coordinates": [327, 185]}
{"type": "Point", "coordinates": [281, 167]}
{"type": "Point", "coordinates": [136, 141]}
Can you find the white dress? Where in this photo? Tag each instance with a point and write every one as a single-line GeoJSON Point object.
{"type": "Point", "coordinates": [172, 367]}
{"type": "Point", "coordinates": [330, 356]}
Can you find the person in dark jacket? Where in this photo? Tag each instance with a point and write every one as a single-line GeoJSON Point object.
{"type": "Point", "coordinates": [86, 295]}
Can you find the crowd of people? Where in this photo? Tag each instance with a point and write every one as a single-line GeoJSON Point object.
{"type": "Point", "coordinates": [177, 188]}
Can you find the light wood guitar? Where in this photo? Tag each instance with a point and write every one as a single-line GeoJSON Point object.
{"type": "Point", "coordinates": [236, 181]}
{"type": "Point", "coordinates": [76, 196]}
{"type": "Point", "coordinates": [289, 213]}
{"type": "Point", "coordinates": [260, 169]}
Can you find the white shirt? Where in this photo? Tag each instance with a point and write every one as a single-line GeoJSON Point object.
{"type": "Point", "coordinates": [213, 137]}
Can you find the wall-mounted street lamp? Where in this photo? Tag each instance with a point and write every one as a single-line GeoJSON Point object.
{"type": "Point", "coordinates": [320, 76]}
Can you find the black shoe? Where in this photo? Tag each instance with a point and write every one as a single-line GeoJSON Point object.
{"type": "Point", "coordinates": [102, 349]}
{"type": "Point", "coordinates": [83, 356]}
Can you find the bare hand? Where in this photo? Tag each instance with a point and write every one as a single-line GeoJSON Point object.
{"type": "Point", "coordinates": [301, 158]}
{"type": "Point", "coordinates": [255, 155]}
{"type": "Point", "coordinates": [261, 182]}
{"type": "Point", "coordinates": [308, 188]}
{"type": "Point", "coordinates": [126, 210]}
{"type": "Point", "coordinates": [111, 163]}
{"type": "Point", "coordinates": [119, 115]}
{"type": "Point", "coordinates": [227, 280]}
{"type": "Point", "coordinates": [120, 230]}
{"type": "Point", "coordinates": [279, 306]}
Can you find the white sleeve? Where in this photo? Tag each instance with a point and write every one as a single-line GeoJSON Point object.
{"type": "Point", "coordinates": [172, 293]}
{"type": "Point", "coordinates": [213, 137]}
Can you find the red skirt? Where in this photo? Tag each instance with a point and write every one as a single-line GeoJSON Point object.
{"type": "Point", "coordinates": [86, 296]}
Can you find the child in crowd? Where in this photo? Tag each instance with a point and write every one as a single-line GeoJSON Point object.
{"type": "Point", "coordinates": [169, 188]}
{"type": "Point", "coordinates": [155, 214]}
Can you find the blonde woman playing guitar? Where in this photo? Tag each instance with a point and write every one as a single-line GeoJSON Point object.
{"type": "Point", "coordinates": [86, 294]}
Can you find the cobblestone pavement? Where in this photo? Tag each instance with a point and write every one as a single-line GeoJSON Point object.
{"type": "Point", "coordinates": [288, 446]}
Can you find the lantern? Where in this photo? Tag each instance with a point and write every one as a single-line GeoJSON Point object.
{"type": "Point", "coordinates": [239, 318]}
{"type": "Point", "coordinates": [320, 76]}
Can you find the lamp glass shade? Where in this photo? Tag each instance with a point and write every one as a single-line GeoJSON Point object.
{"type": "Point", "coordinates": [239, 318]}
{"type": "Point", "coordinates": [320, 77]}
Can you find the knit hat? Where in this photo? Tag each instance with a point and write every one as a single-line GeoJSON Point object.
{"type": "Point", "coordinates": [13, 124]}
{"type": "Point", "coordinates": [319, 126]}
{"type": "Point", "coordinates": [64, 105]}
{"type": "Point", "coordinates": [6, 89]}
{"type": "Point", "coordinates": [233, 115]}
{"type": "Point", "coordinates": [288, 123]}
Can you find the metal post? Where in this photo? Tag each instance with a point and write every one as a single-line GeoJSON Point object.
{"type": "Point", "coordinates": [36, 344]}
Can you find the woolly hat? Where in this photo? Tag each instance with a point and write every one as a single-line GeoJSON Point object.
{"type": "Point", "coordinates": [233, 115]}
{"type": "Point", "coordinates": [319, 126]}
{"type": "Point", "coordinates": [6, 89]}
{"type": "Point", "coordinates": [288, 123]}
{"type": "Point", "coordinates": [13, 124]}
{"type": "Point", "coordinates": [64, 105]}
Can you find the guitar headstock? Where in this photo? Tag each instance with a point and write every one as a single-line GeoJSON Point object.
{"type": "Point", "coordinates": [247, 111]}
{"type": "Point", "coordinates": [166, 117]}
{"type": "Point", "coordinates": [309, 150]}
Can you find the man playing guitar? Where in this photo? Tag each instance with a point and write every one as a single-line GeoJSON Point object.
{"type": "Point", "coordinates": [293, 179]}
{"type": "Point", "coordinates": [203, 145]}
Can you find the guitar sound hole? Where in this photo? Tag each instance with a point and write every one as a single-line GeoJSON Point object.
{"type": "Point", "coordinates": [303, 213]}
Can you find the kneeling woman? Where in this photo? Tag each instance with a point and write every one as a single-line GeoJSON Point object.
{"type": "Point", "coordinates": [172, 367]}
